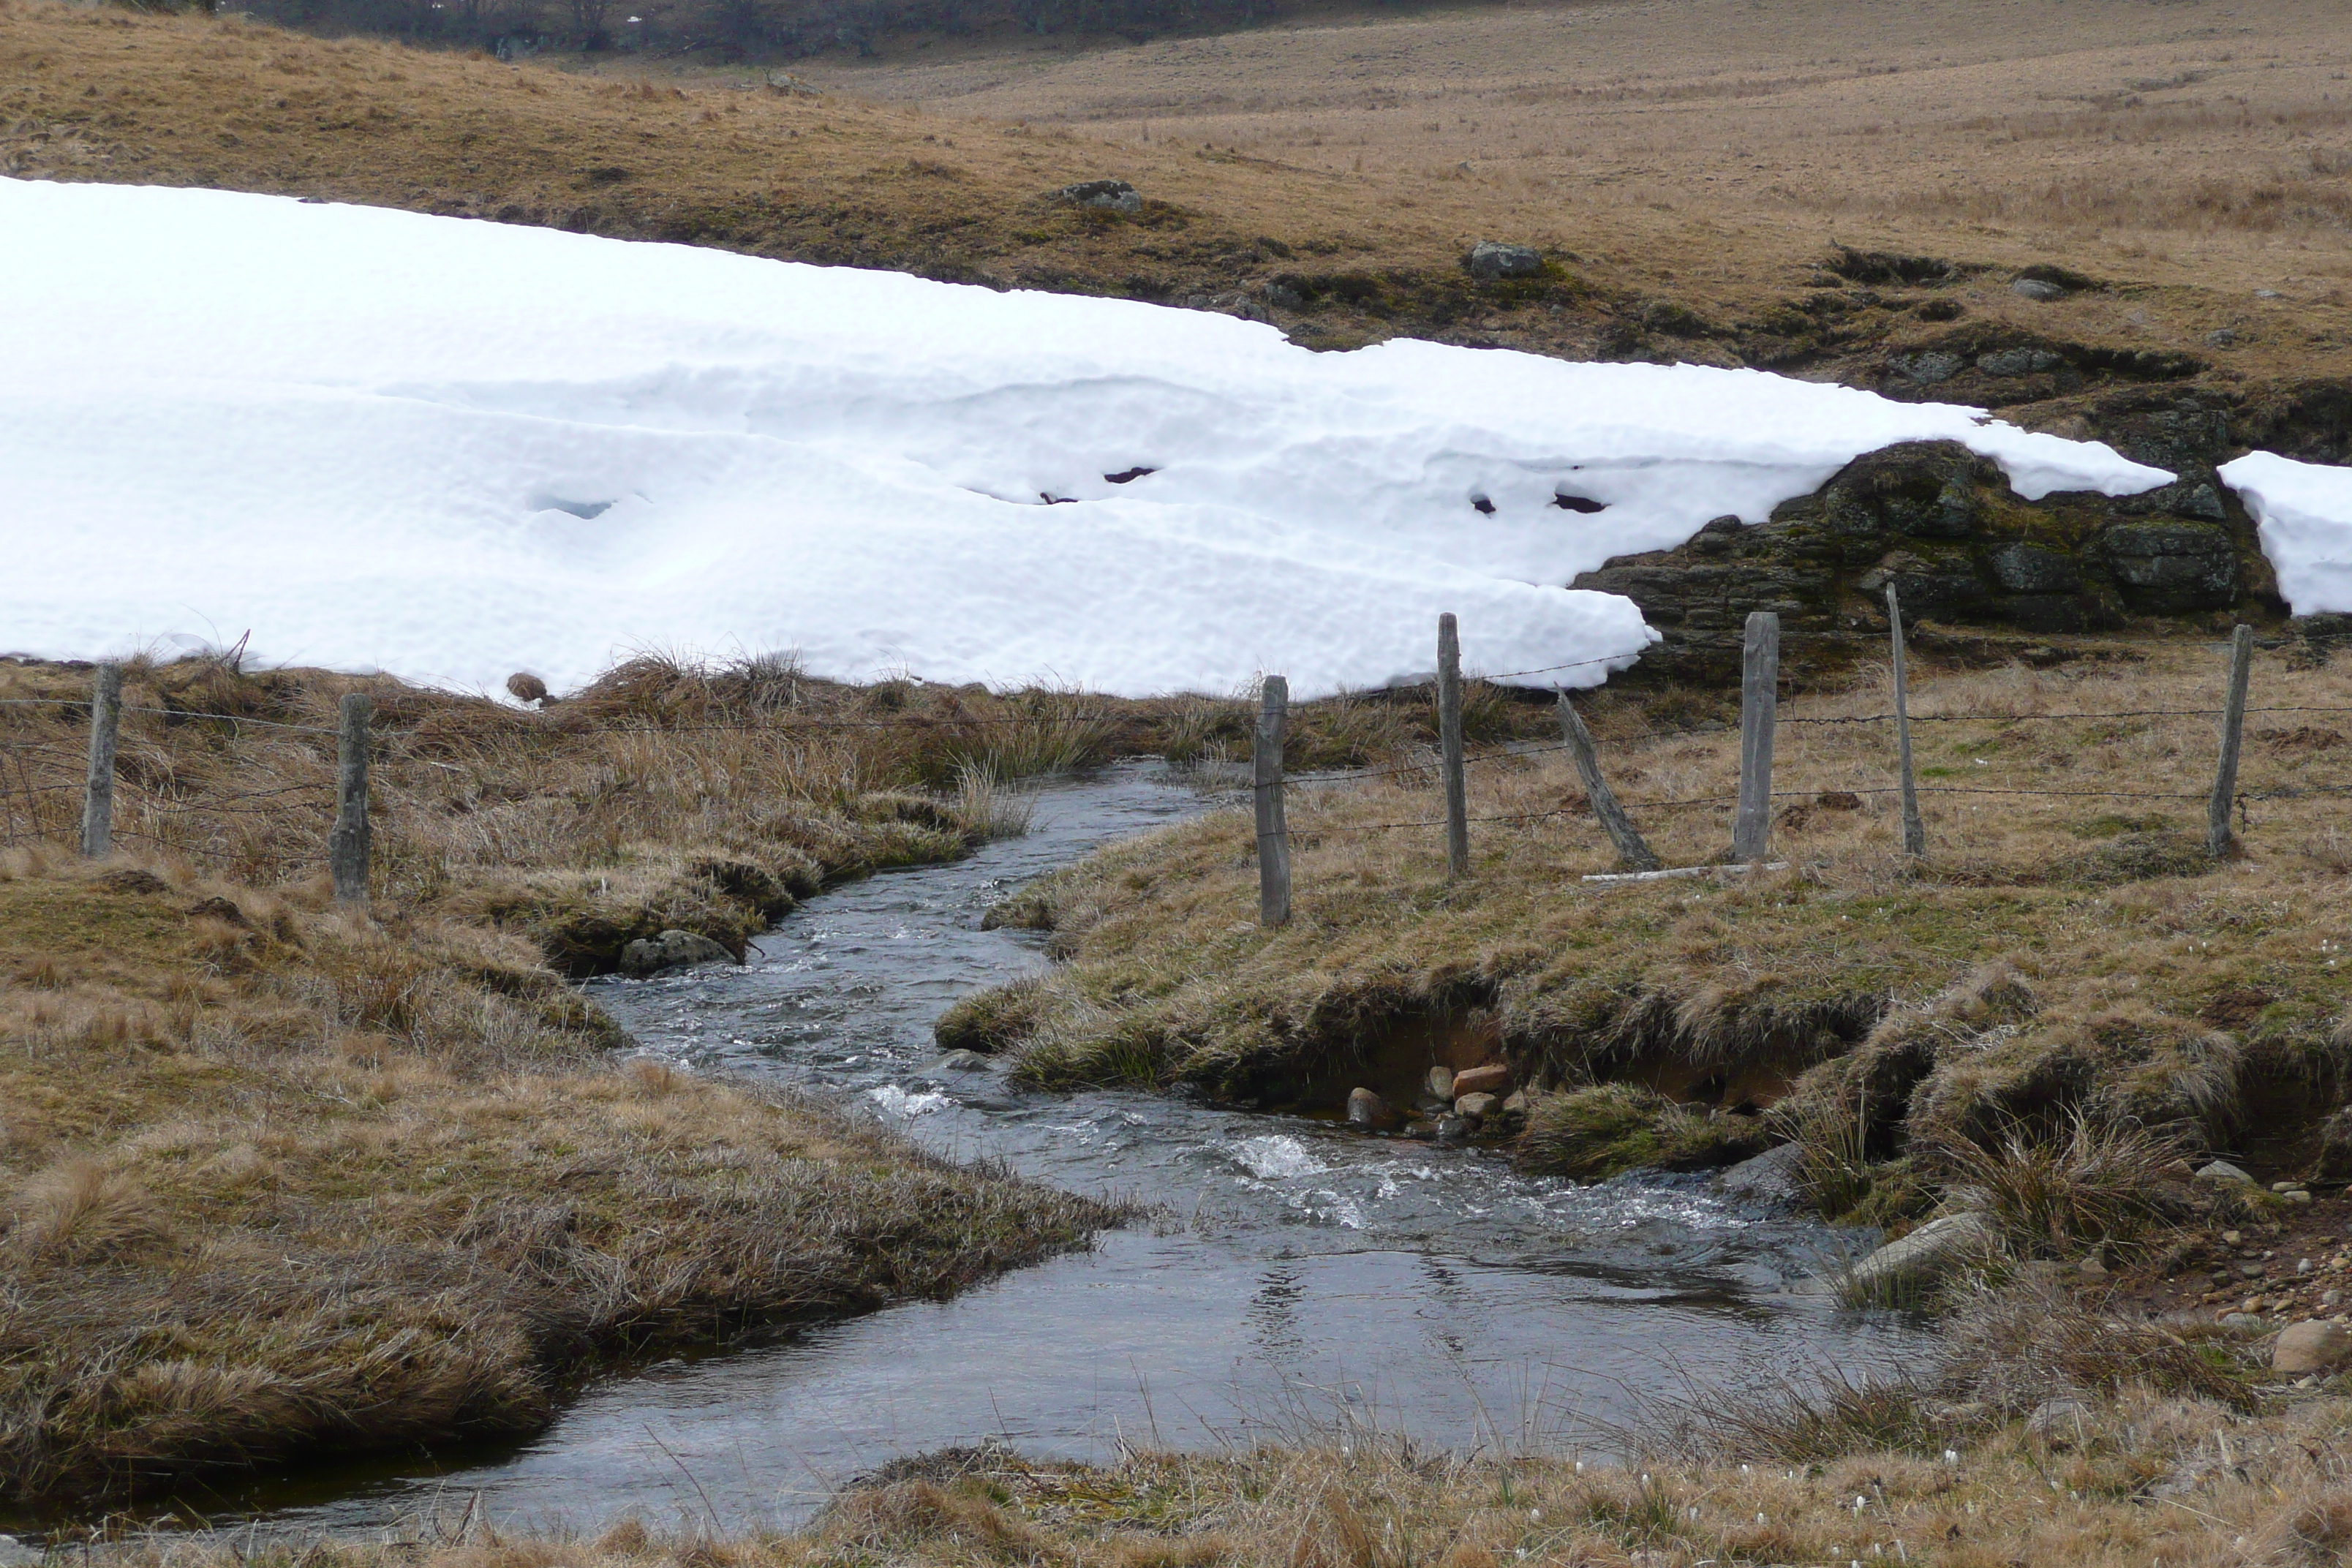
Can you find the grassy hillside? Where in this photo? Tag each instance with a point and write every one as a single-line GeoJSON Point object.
{"type": "Point", "coordinates": [1689, 169]}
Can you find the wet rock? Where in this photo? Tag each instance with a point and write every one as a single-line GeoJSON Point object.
{"type": "Point", "coordinates": [2038, 289]}
{"type": "Point", "coordinates": [1108, 195]}
{"type": "Point", "coordinates": [671, 949]}
{"type": "Point", "coordinates": [958, 1061]}
{"type": "Point", "coordinates": [1770, 1177]}
{"type": "Point", "coordinates": [1365, 1109]}
{"type": "Point", "coordinates": [1475, 1108]}
{"type": "Point", "coordinates": [2312, 1347]}
{"type": "Point", "coordinates": [1440, 1083]}
{"type": "Point", "coordinates": [2223, 1171]}
{"type": "Point", "coordinates": [1493, 258]}
{"type": "Point", "coordinates": [1494, 1077]}
{"type": "Point", "coordinates": [1925, 1257]}
{"type": "Point", "coordinates": [1452, 1130]}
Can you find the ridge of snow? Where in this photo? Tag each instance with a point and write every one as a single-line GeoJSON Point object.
{"type": "Point", "coordinates": [2304, 516]}
{"type": "Point", "coordinates": [451, 448]}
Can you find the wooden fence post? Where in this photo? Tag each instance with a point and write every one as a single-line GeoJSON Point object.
{"type": "Point", "coordinates": [347, 846]}
{"type": "Point", "coordinates": [1915, 832]}
{"type": "Point", "coordinates": [1759, 685]}
{"type": "Point", "coordinates": [2218, 837]}
{"type": "Point", "coordinates": [1631, 853]}
{"type": "Point", "coordinates": [1449, 748]}
{"type": "Point", "coordinates": [97, 787]}
{"type": "Point", "coordinates": [1273, 826]}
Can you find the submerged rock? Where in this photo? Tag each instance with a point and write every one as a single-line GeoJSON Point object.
{"type": "Point", "coordinates": [1924, 1257]}
{"type": "Point", "coordinates": [671, 949]}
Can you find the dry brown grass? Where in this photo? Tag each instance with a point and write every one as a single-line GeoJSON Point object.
{"type": "Point", "coordinates": [2116, 970]}
{"type": "Point", "coordinates": [278, 1184]}
{"type": "Point", "coordinates": [2135, 1479]}
{"type": "Point", "coordinates": [1697, 157]}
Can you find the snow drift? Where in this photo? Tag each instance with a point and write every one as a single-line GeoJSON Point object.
{"type": "Point", "coordinates": [2304, 511]}
{"type": "Point", "coordinates": [451, 448]}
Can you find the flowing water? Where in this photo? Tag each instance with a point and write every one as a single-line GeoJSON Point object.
{"type": "Point", "coordinates": [1303, 1280]}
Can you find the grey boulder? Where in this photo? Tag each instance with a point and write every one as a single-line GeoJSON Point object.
{"type": "Point", "coordinates": [2037, 288]}
{"type": "Point", "coordinates": [671, 949]}
{"type": "Point", "coordinates": [1493, 258]}
{"type": "Point", "coordinates": [1770, 1177]}
{"type": "Point", "coordinates": [1925, 1257]}
{"type": "Point", "coordinates": [1109, 196]}
{"type": "Point", "coordinates": [2223, 1171]}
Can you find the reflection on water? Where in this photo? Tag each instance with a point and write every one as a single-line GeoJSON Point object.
{"type": "Point", "coordinates": [1300, 1275]}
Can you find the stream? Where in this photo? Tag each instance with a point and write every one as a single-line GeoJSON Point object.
{"type": "Point", "coordinates": [1305, 1280]}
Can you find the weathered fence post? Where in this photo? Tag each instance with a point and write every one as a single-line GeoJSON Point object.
{"type": "Point", "coordinates": [98, 789]}
{"type": "Point", "coordinates": [1631, 853]}
{"type": "Point", "coordinates": [1915, 832]}
{"type": "Point", "coordinates": [2218, 838]}
{"type": "Point", "coordinates": [1449, 748]}
{"type": "Point", "coordinates": [1759, 684]}
{"type": "Point", "coordinates": [1272, 827]}
{"type": "Point", "coordinates": [347, 846]}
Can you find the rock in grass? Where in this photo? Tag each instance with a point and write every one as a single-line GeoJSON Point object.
{"type": "Point", "coordinates": [1365, 1109]}
{"type": "Point", "coordinates": [1493, 258]}
{"type": "Point", "coordinates": [1109, 196]}
{"type": "Point", "coordinates": [2037, 288]}
{"type": "Point", "coordinates": [671, 949]}
{"type": "Point", "coordinates": [2223, 1171]}
{"type": "Point", "coordinates": [1924, 1257]}
{"type": "Point", "coordinates": [2312, 1347]}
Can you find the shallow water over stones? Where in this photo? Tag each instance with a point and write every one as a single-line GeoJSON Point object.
{"type": "Point", "coordinates": [1301, 1276]}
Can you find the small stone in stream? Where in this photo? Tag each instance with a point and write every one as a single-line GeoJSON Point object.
{"type": "Point", "coordinates": [960, 1061]}
{"type": "Point", "coordinates": [671, 949]}
{"type": "Point", "coordinates": [1492, 1079]}
{"type": "Point", "coordinates": [1365, 1109]}
{"type": "Point", "coordinates": [1475, 1108]}
{"type": "Point", "coordinates": [2223, 1171]}
{"type": "Point", "coordinates": [1441, 1082]}
{"type": "Point", "coordinates": [2312, 1347]}
{"type": "Point", "coordinates": [1515, 1102]}
{"type": "Point", "coordinates": [1452, 1130]}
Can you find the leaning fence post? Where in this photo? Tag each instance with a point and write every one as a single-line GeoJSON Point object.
{"type": "Point", "coordinates": [1760, 682]}
{"type": "Point", "coordinates": [1449, 747]}
{"type": "Point", "coordinates": [347, 846]}
{"type": "Point", "coordinates": [1915, 832]}
{"type": "Point", "coordinates": [1631, 853]}
{"type": "Point", "coordinates": [1272, 827]}
{"type": "Point", "coordinates": [98, 789]}
{"type": "Point", "coordinates": [2218, 838]}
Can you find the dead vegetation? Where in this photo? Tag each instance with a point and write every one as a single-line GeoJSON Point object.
{"type": "Point", "coordinates": [2054, 1011]}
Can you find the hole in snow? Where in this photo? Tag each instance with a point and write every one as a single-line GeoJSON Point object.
{"type": "Point", "coordinates": [1052, 500]}
{"type": "Point", "coordinates": [582, 509]}
{"type": "Point", "coordinates": [1484, 507]}
{"type": "Point", "coordinates": [1567, 502]}
{"type": "Point", "coordinates": [1130, 477]}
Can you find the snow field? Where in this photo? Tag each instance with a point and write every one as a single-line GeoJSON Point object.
{"type": "Point", "coordinates": [451, 450]}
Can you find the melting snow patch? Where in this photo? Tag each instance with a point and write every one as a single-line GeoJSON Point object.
{"type": "Point", "coordinates": [2305, 511]}
{"type": "Point", "coordinates": [374, 468]}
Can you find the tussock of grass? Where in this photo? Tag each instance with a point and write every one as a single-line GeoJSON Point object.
{"type": "Point", "coordinates": [1592, 1133]}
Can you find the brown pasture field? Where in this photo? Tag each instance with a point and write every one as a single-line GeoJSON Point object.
{"type": "Point", "coordinates": [1707, 154]}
